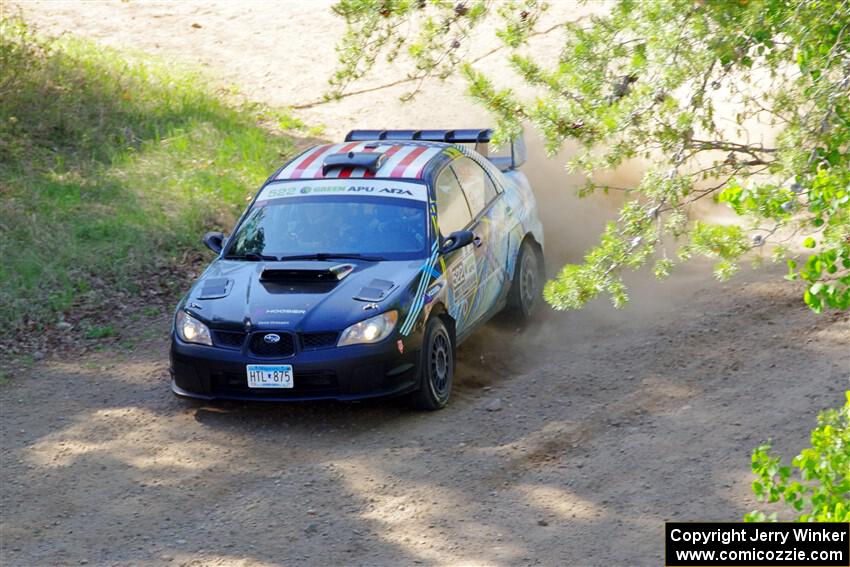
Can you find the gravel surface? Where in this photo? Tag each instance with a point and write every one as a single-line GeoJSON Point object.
{"type": "Point", "coordinates": [609, 424]}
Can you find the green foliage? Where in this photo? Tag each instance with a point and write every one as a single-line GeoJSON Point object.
{"type": "Point", "coordinates": [681, 84]}
{"type": "Point", "coordinates": [111, 166]}
{"type": "Point", "coordinates": [817, 484]}
{"type": "Point", "coordinates": [100, 332]}
{"type": "Point", "coordinates": [378, 28]}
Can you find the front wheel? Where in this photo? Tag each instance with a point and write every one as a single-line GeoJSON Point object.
{"type": "Point", "coordinates": [436, 367]}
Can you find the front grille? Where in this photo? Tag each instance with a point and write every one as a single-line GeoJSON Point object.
{"type": "Point", "coordinates": [228, 339]}
{"type": "Point", "coordinates": [284, 347]}
{"type": "Point", "coordinates": [312, 341]}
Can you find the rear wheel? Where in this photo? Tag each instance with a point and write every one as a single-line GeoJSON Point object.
{"type": "Point", "coordinates": [527, 284]}
{"type": "Point", "coordinates": [436, 367]}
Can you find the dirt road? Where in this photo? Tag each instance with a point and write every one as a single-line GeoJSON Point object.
{"type": "Point", "coordinates": [608, 423]}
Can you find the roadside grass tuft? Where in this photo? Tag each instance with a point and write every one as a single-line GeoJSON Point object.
{"type": "Point", "coordinates": [100, 332]}
{"type": "Point", "coordinates": [112, 166]}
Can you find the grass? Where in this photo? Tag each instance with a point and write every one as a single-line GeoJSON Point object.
{"type": "Point", "coordinates": [100, 332]}
{"type": "Point", "coordinates": [111, 168]}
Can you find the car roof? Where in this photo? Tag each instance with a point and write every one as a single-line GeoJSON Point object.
{"type": "Point", "coordinates": [404, 160]}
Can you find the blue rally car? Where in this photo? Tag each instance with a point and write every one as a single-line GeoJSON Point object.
{"type": "Point", "coordinates": [359, 268]}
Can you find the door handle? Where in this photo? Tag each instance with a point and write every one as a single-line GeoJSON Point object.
{"type": "Point", "coordinates": [477, 241]}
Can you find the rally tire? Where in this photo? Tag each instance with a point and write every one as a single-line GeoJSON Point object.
{"type": "Point", "coordinates": [436, 367]}
{"type": "Point", "coordinates": [527, 286]}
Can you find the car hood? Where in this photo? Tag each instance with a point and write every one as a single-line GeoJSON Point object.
{"type": "Point", "coordinates": [313, 295]}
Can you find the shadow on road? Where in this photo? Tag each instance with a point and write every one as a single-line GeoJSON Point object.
{"type": "Point", "coordinates": [609, 424]}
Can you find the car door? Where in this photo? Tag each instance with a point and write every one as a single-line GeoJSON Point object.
{"type": "Point", "coordinates": [460, 266]}
{"type": "Point", "coordinates": [488, 211]}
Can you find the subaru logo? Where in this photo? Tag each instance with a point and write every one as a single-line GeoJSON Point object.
{"type": "Point", "coordinates": [271, 338]}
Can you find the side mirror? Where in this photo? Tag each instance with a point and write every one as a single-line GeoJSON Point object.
{"type": "Point", "coordinates": [457, 240]}
{"type": "Point", "coordinates": [214, 241]}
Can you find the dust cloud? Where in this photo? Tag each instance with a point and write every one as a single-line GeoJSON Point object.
{"type": "Point", "coordinates": [572, 224]}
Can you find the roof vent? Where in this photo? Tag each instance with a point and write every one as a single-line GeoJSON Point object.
{"type": "Point", "coordinates": [372, 161]}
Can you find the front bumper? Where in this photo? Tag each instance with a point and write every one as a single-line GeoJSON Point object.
{"type": "Point", "coordinates": [338, 373]}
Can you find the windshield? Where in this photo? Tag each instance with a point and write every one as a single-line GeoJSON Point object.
{"type": "Point", "coordinates": [388, 228]}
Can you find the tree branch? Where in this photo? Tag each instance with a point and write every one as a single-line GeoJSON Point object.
{"type": "Point", "coordinates": [414, 78]}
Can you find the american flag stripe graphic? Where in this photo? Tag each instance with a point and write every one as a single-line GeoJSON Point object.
{"type": "Point", "coordinates": [315, 170]}
{"type": "Point", "coordinates": [399, 170]}
{"type": "Point", "coordinates": [306, 161]}
{"type": "Point", "coordinates": [416, 167]}
{"type": "Point", "coordinates": [402, 160]}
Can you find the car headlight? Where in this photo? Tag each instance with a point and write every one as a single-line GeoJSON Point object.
{"type": "Point", "coordinates": [372, 330]}
{"type": "Point", "coordinates": [191, 330]}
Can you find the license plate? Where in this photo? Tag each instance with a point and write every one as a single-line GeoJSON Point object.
{"type": "Point", "coordinates": [269, 375]}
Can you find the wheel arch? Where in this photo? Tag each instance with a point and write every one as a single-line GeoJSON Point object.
{"type": "Point", "coordinates": [538, 249]}
{"type": "Point", "coordinates": [439, 310]}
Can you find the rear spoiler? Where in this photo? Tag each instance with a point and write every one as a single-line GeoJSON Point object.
{"type": "Point", "coordinates": [479, 137]}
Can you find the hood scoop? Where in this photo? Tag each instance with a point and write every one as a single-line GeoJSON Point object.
{"type": "Point", "coordinates": [376, 291]}
{"type": "Point", "coordinates": [216, 288]}
{"type": "Point", "coordinates": [306, 274]}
